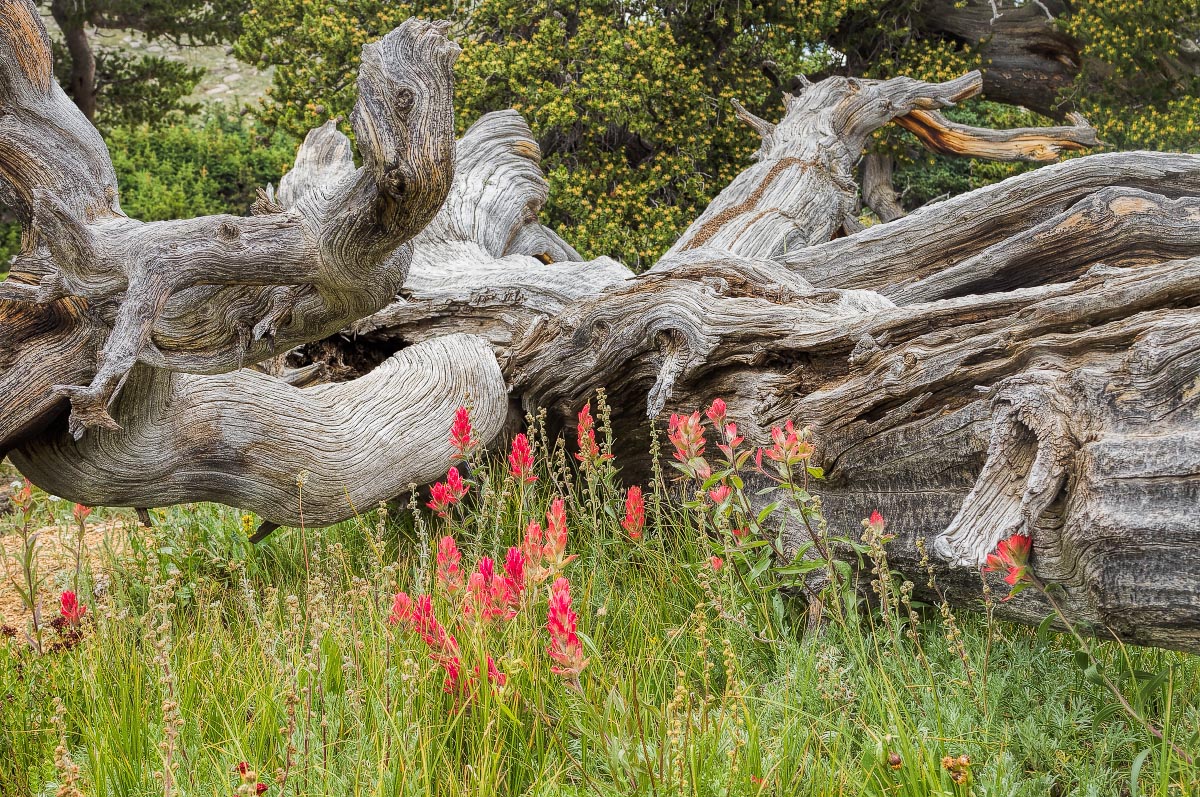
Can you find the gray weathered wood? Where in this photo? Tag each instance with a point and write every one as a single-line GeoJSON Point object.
{"type": "Point", "coordinates": [147, 327]}
{"type": "Point", "coordinates": [1021, 358]}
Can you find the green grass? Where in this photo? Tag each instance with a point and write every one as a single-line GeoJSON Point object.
{"type": "Point", "coordinates": [282, 656]}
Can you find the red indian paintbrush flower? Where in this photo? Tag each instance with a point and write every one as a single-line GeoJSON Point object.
{"type": "Point", "coordinates": [520, 460]}
{"type": "Point", "coordinates": [790, 446]}
{"type": "Point", "coordinates": [716, 412]}
{"type": "Point", "coordinates": [687, 436]}
{"type": "Point", "coordinates": [1012, 555]}
{"type": "Point", "coordinates": [494, 674]}
{"type": "Point", "coordinates": [22, 500]}
{"type": "Point", "coordinates": [514, 571]}
{"type": "Point", "coordinates": [565, 648]}
{"type": "Point", "coordinates": [635, 513]}
{"type": "Point", "coordinates": [716, 562]}
{"type": "Point", "coordinates": [71, 609]}
{"type": "Point", "coordinates": [589, 450]}
{"type": "Point", "coordinates": [732, 440]}
{"type": "Point", "coordinates": [402, 610]}
{"type": "Point", "coordinates": [81, 513]}
{"type": "Point", "coordinates": [417, 617]}
{"type": "Point", "coordinates": [449, 573]}
{"type": "Point", "coordinates": [719, 494]}
{"type": "Point", "coordinates": [556, 536]}
{"type": "Point", "coordinates": [460, 434]}
{"type": "Point", "coordinates": [444, 495]}
{"type": "Point", "coordinates": [531, 546]}
{"type": "Point", "coordinates": [490, 596]}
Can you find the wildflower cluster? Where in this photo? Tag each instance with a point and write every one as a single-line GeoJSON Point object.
{"type": "Point", "coordinates": [493, 594]}
{"type": "Point", "coordinates": [417, 617]}
{"type": "Point", "coordinates": [755, 536]}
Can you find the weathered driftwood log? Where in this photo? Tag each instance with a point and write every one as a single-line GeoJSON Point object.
{"type": "Point", "coordinates": [146, 327]}
{"type": "Point", "coordinates": [1019, 358]}
{"type": "Point", "coordinates": [1003, 361]}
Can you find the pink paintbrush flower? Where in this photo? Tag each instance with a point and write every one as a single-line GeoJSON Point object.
{"type": "Point", "coordinates": [444, 495]}
{"type": "Point", "coordinates": [555, 548]}
{"type": "Point", "coordinates": [716, 412]}
{"type": "Point", "coordinates": [460, 434]}
{"type": "Point", "coordinates": [449, 572]}
{"type": "Point", "coordinates": [520, 460]}
{"type": "Point", "coordinates": [1012, 555]}
{"type": "Point", "coordinates": [71, 609]}
{"type": "Point", "coordinates": [565, 648]}
{"type": "Point", "coordinates": [635, 513]}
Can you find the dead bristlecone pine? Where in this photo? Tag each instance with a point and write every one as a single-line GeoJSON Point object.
{"type": "Point", "coordinates": [1023, 358]}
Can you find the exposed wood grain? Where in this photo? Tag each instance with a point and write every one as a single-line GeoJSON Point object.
{"type": "Point", "coordinates": [1042, 144]}
{"type": "Point", "coordinates": [313, 455]}
{"type": "Point", "coordinates": [1021, 358]}
{"type": "Point", "coordinates": [147, 327]}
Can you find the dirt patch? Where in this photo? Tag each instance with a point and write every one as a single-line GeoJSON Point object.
{"type": "Point", "coordinates": [56, 563]}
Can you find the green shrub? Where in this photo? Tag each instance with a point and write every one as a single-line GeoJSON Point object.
{"type": "Point", "coordinates": [187, 170]}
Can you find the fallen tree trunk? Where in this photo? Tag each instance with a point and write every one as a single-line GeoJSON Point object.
{"type": "Point", "coordinates": [1021, 358]}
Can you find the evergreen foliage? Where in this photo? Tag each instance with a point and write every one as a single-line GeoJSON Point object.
{"type": "Point", "coordinates": [630, 101]}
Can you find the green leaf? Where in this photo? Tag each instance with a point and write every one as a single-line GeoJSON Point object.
{"type": "Point", "coordinates": [816, 473]}
{"type": "Point", "coordinates": [766, 512]}
{"type": "Point", "coordinates": [1135, 771]}
{"type": "Point", "coordinates": [712, 480]}
{"type": "Point", "coordinates": [800, 568]}
{"type": "Point", "coordinates": [1082, 659]}
{"type": "Point", "coordinates": [1157, 682]}
{"type": "Point", "coordinates": [761, 565]}
{"type": "Point", "coordinates": [1046, 627]}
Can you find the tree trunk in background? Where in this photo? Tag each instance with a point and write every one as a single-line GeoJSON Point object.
{"type": "Point", "coordinates": [1026, 58]}
{"type": "Point", "coordinates": [81, 84]}
{"type": "Point", "coordinates": [1021, 358]}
